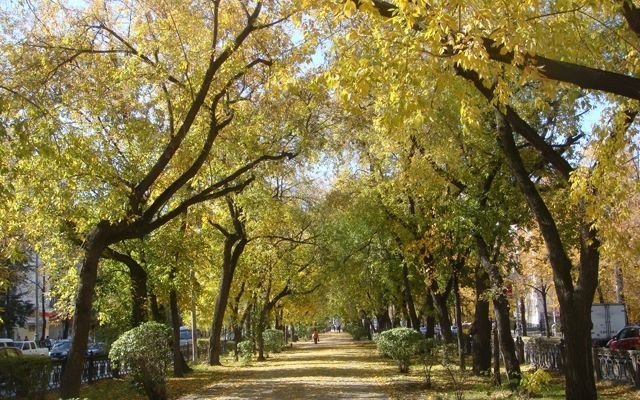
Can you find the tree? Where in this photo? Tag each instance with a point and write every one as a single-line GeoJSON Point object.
{"type": "Point", "coordinates": [157, 83]}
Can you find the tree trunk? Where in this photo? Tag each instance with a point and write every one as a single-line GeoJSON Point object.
{"type": "Point", "coordinates": [408, 298]}
{"type": "Point", "coordinates": [95, 244]}
{"type": "Point", "coordinates": [234, 245]}
{"type": "Point", "coordinates": [430, 311]}
{"type": "Point", "coordinates": [619, 279]}
{"type": "Point", "coordinates": [138, 278]}
{"type": "Point", "coordinates": [155, 310]}
{"type": "Point", "coordinates": [456, 295]}
{"type": "Point", "coordinates": [545, 316]}
{"type": "Point", "coordinates": [523, 317]}
{"type": "Point", "coordinates": [218, 314]}
{"type": "Point", "coordinates": [481, 326]}
{"type": "Point", "coordinates": [442, 311]}
{"type": "Point", "coordinates": [44, 317]}
{"type": "Point", "coordinates": [496, 358]}
{"type": "Point", "coordinates": [501, 311]}
{"type": "Point", "coordinates": [259, 330]}
{"type": "Point", "coordinates": [384, 322]}
{"type": "Point", "coordinates": [574, 299]}
{"type": "Point", "coordinates": [180, 366]}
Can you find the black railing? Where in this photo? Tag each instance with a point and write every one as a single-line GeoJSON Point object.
{"type": "Point", "coordinates": [95, 368]}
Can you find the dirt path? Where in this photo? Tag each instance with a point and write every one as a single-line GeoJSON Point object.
{"type": "Point", "coordinates": [335, 368]}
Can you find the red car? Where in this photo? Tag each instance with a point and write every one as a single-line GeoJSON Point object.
{"type": "Point", "coordinates": [627, 339]}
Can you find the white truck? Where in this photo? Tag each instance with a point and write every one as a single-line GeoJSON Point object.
{"type": "Point", "coordinates": [607, 320]}
{"type": "Point", "coordinates": [30, 348]}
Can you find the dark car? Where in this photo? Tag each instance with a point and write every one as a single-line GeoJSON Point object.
{"type": "Point", "coordinates": [96, 349]}
{"type": "Point", "coordinates": [627, 339]}
{"type": "Point", "coordinates": [60, 350]}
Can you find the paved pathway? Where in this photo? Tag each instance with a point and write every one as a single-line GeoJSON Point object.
{"type": "Point", "coordinates": [335, 368]}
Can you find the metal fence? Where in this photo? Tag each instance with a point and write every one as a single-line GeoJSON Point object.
{"type": "Point", "coordinates": [622, 366]}
{"type": "Point", "coordinates": [95, 368]}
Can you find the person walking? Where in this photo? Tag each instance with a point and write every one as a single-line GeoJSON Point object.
{"type": "Point", "coordinates": [316, 337]}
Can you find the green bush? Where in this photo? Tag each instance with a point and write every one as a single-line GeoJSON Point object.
{"type": "Point", "coordinates": [245, 350]}
{"type": "Point", "coordinates": [273, 340]}
{"type": "Point", "coordinates": [535, 382]}
{"type": "Point", "coordinates": [401, 344]}
{"type": "Point", "coordinates": [357, 331]}
{"type": "Point", "coordinates": [27, 377]}
{"type": "Point", "coordinates": [145, 351]}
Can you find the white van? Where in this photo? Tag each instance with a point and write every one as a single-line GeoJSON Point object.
{"type": "Point", "coordinates": [7, 343]}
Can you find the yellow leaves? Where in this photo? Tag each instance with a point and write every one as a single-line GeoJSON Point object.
{"type": "Point", "coordinates": [351, 36]}
{"type": "Point", "coordinates": [349, 8]}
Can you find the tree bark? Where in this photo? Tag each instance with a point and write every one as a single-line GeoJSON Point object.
{"type": "Point", "coordinates": [234, 245]}
{"type": "Point", "coordinates": [456, 295]}
{"type": "Point", "coordinates": [442, 311]}
{"type": "Point", "coordinates": [575, 300]}
{"type": "Point", "coordinates": [180, 366]}
{"type": "Point", "coordinates": [72, 373]}
{"type": "Point", "coordinates": [501, 311]}
{"type": "Point", "coordinates": [619, 279]}
{"type": "Point", "coordinates": [411, 308]}
{"type": "Point", "coordinates": [482, 326]}
{"type": "Point", "coordinates": [547, 328]}
{"type": "Point", "coordinates": [155, 309]}
{"type": "Point", "coordinates": [523, 317]}
{"type": "Point", "coordinates": [430, 311]}
{"type": "Point", "coordinates": [138, 277]}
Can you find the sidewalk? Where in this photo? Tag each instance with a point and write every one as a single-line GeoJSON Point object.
{"type": "Point", "coordinates": [335, 368]}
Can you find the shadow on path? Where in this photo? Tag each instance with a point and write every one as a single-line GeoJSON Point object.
{"type": "Point", "coordinates": [335, 368]}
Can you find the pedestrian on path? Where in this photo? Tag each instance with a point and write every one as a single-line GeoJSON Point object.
{"type": "Point", "coordinates": [315, 336]}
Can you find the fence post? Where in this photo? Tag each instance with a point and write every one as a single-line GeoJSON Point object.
{"type": "Point", "coordinates": [91, 371]}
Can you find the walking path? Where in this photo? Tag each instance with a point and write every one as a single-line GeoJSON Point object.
{"type": "Point", "coordinates": [335, 368]}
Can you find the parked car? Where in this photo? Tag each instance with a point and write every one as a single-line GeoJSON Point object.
{"type": "Point", "coordinates": [6, 343]}
{"type": "Point", "coordinates": [30, 348]}
{"type": "Point", "coordinates": [628, 338]}
{"type": "Point", "coordinates": [10, 352]}
{"type": "Point", "coordinates": [96, 349]}
{"type": "Point", "coordinates": [60, 350]}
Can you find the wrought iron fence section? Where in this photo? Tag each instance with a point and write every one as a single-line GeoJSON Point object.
{"type": "Point", "coordinates": [547, 354]}
{"type": "Point", "coordinates": [617, 365]}
{"type": "Point", "coordinates": [95, 368]}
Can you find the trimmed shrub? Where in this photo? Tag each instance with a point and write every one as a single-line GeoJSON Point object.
{"type": "Point", "coordinates": [145, 351]}
{"type": "Point", "coordinates": [400, 344]}
{"type": "Point", "coordinates": [357, 331]}
{"type": "Point", "coordinates": [273, 340]}
{"type": "Point", "coordinates": [27, 377]}
{"type": "Point", "coordinates": [245, 350]}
